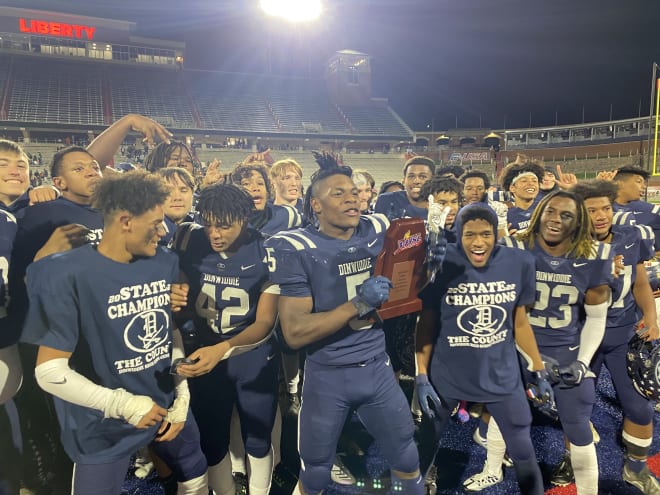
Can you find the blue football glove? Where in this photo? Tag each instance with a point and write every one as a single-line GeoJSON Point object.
{"type": "Point", "coordinates": [574, 373]}
{"type": "Point", "coordinates": [541, 394]}
{"type": "Point", "coordinates": [371, 294]}
{"type": "Point", "coordinates": [427, 396]}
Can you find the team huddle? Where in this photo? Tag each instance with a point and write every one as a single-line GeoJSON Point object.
{"type": "Point", "coordinates": [157, 311]}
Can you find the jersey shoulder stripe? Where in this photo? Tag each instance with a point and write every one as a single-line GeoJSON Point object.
{"type": "Point", "coordinates": [380, 222]}
{"type": "Point", "coordinates": [645, 232]}
{"type": "Point", "coordinates": [600, 251]}
{"type": "Point", "coordinates": [10, 218]}
{"type": "Point", "coordinates": [295, 219]}
{"type": "Point", "coordinates": [295, 239]}
{"type": "Point", "coordinates": [655, 210]}
{"type": "Point", "coordinates": [509, 241]}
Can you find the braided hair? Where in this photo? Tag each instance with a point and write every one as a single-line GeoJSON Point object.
{"type": "Point", "coordinates": [582, 244]}
{"type": "Point", "coordinates": [224, 204]}
{"type": "Point", "coordinates": [329, 164]}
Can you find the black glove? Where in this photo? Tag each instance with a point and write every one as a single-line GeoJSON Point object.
{"type": "Point", "coordinates": [574, 373]}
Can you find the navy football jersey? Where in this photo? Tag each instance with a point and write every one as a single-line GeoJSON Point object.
{"type": "Point", "coordinates": [622, 217]}
{"type": "Point", "coordinates": [395, 205]}
{"type": "Point", "coordinates": [636, 244]}
{"type": "Point", "coordinates": [224, 290]}
{"type": "Point", "coordinates": [519, 218]}
{"type": "Point", "coordinates": [644, 214]}
{"type": "Point", "coordinates": [307, 263]}
{"type": "Point", "coordinates": [115, 318]}
{"type": "Point", "coordinates": [474, 355]}
{"type": "Point", "coordinates": [561, 284]}
{"type": "Point", "coordinates": [281, 217]}
{"type": "Point", "coordinates": [8, 229]}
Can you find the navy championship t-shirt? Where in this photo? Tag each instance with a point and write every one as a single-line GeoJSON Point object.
{"type": "Point", "coordinates": [474, 355]}
{"type": "Point", "coordinates": [118, 313]}
{"type": "Point", "coordinates": [307, 263]}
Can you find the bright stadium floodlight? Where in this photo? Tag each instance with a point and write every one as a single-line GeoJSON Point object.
{"type": "Point", "coordinates": [293, 10]}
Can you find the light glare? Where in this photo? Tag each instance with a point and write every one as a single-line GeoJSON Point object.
{"type": "Point", "coordinates": [293, 10]}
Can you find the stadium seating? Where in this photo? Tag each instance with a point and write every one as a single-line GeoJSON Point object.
{"type": "Point", "coordinates": [55, 92]}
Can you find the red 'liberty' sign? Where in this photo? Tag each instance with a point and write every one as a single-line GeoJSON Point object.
{"type": "Point", "coordinates": [56, 28]}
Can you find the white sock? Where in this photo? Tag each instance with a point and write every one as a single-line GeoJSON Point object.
{"type": "Point", "coordinates": [220, 478]}
{"type": "Point", "coordinates": [495, 448]}
{"type": "Point", "coordinates": [260, 473]}
{"type": "Point", "coordinates": [195, 486]}
{"type": "Point", "coordinates": [236, 447]}
{"type": "Point", "coordinates": [585, 468]}
{"type": "Point", "coordinates": [291, 369]}
{"type": "Point", "coordinates": [276, 437]}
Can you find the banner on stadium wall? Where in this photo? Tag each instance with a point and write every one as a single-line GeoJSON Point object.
{"type": "Point", "coordinates": [471, 156]}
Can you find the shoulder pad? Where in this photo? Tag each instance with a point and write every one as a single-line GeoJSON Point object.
{"type": "Point", "coordinates": [379, 221]}
{"type": "Point", "coordinates": [645, 232]}
{"type": "Point", "coordinates": [296, 239]}
{"type": "Point", "coordinates": [182, 235]}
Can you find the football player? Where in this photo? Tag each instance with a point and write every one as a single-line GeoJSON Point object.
{"type": "Point", "coordinates": [101, 318]}
{"type": "Point", "coordinates": [328, 290]}
{"type": "Point", "coordinates": [408, 203]}
{"type": "Point", "coordinates": [476, 313]}
{"type": "Point", "coordinates": [573, 273]}
{"type": "Point", "coordinates": [631, 182]}
{"type": "Point", "coordinates": [179, 204]}
{"type": "Point", "coordinates": [235, 308]}
{"type": "Point", "coordinates": [631, 292]}
{"type": "Point", "coordinates": [522, 181]}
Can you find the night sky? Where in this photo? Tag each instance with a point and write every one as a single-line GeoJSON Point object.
{"type": "Point", "coordinates": [440, 61]}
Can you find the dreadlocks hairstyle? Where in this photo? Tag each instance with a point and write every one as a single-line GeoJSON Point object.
{"type": "Point", "coordinates": [329, 164]}
{"type": "Point", "coordinates": [158, 157]}
{"type": "Point", "coordinates": [224, 204]}
{"type": "Point", "coordinates": [595, 188]}
{"type": "Point", "coordinates": [136, 192]}
{"type": "Point", "coordinates": [582, 244]}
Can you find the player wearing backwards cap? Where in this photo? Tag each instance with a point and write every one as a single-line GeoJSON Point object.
{"type": "Point", "coordinates": [328, 290]}
{"type": "Point", "coordinates": [101, 318]}
{"type": "Point", "coordinates": [476, 312]}
{"type": "Point", "coordinates": [235, 309]}
{"type": "Point", "coordinates": [630, 292]}
{"type": "Point", "coordinates": [573, 273]}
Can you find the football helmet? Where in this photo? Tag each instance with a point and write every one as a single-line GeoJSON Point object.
{"type": "Point", "coordinates": [643, 363]}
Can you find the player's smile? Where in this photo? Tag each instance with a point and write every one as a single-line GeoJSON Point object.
{"type": "Point", "coordinates": [558, 221]}
{"type": "Point", "coordinates": [478, 240]}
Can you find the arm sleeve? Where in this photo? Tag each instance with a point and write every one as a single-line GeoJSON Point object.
{"type": "Point", "coordinates": [593, 331]}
